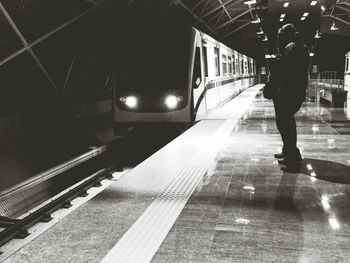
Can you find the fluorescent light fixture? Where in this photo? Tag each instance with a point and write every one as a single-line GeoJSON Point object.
{"type": "Point", "coordinates": [334, 26]}
{"type": "Point", "coordinates": [261, 32]}
{"type": "Point", "coordinates": [303, 18]}
{"type": "Point", "coordinates": [250, 2]}
{"type": "Point", "coordinates": [317, 34]}
{"type": "Point", "coordinates": [281, 20]}
{"type": "Point", "coordinates": [306, 14]}
{"type": "Point", "coordinates": [313, 3]}
{"type": "Point", "coordinates": [256, 21]}
{"type": "Point", "coordinates": [283, 15]}
{"type": "Point", "coordinates": [267, 56]}
{"type": "Point", "coordinates": [286, 4]}
{"type": "Point", "coordinates": [312, 54]}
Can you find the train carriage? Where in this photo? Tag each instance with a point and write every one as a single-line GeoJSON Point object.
{"type": "Point", "coordinates": [181, 76]}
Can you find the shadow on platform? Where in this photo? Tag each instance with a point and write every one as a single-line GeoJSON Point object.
{"type": "Point", "coordinates": [326, 170]}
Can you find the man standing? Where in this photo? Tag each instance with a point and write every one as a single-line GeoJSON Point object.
{"type": "Point", "coordinates": [290, 78]}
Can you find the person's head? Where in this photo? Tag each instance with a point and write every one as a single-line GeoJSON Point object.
{"type": "Point", "coordinates": [285, 35]}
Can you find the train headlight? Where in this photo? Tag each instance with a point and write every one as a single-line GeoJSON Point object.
{"type": "Point", "coordinates": [129, 101]}
{"type": "Point", "coordinates": [172, 101]}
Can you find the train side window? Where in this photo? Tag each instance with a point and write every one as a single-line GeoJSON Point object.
{"type": "Point", "coordinates": [224, 65]}
{"type": "Point", "coordinates": [233, 64]}
{"type": "Point", "coordinates": [217, 61]}
{"type": "Point", "coordinates": [229, 64]}
{"type": "Point", "coordinates": [205, 61]}
{"type": "Point", "coordinates": [197, 74]}
{"type": "Point", "coordinates": [347, 65]}
{"type": "Point", "coordinates": [242, 67]}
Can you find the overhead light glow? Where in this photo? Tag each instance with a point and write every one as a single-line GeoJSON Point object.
{"type": "Point", "coordinates": [306, 14]}
{"type": "Point", "coordinates": [265, 39]}
{"type": "Point", "coordinates": [281, 20]}
{"type": "Point", "coordinates": [286, 4]}
{"type": "Point", "coordinates": [312, 54]}
{"type": "Point", "coordinates": [283, 15]}
{"type": "Point", "coordinates": [303, 18]}
{"type": "Point", "coordinates": [261, 32]}
{"type": "Point", "coordinates": [313, 3]}
{"type": "Point", "coordinates": [250, 2]}
{"type": "Point", "coordinates": [317, 34]}
{"type": "Point", "coordinates": [256, 21]}
{"type": "Point", "coordinates": [323, 8]}
{"type": "Point", "coordinates": [334, 26]}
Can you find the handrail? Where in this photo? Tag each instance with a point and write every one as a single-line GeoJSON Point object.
{"type": "Point", "coordinates": [50, 173]}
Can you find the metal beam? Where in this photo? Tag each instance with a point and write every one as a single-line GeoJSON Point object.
{"type": "Point", "coordinates": [194, 15]}
{"type": "Point", "coordinates": [229, 16]}
{"type": "Point", "coordinates": [231, 20]}
{"type": "Point", "coordinates": [342, 20]}
{"type": "Point", "coordinates": [236, 30]}
{"type": "Point", "coordinates": [215, 9]}
{"type": "Point", "coordinates": [343, 8]}
{"type": "Point", "coordinates": [198, 4]}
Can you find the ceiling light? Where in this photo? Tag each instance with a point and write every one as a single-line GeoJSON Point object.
{"type": "Point", "coordinates": [250, 2]}
{"type": "Point", "coordinates": [312, 54]}
{"type": "Point", "coordinates": [323, 9]}
{"type": "Point", "coordinates": [313, 2]}
{"type": "Point", "coordinates": [261, 32]}
{"type": "Point", "coordinates": [265, 39]}
{"type": "Point", "coordinates": [306, 14]}
{"type": "Point", "coordinates": [334, 26]}
{"type": "Point", "coordinates": [283, 15]}
{"type": "Point", "coordinates": [286, 4]}
{"type": "Point", "coordinates": [303, 18]}
{"type": "Point", "coordinates": [256, 21]}
{"type": "Point", "coordinates": [317, 34]}
{"type": "Point", "coordinates": [281, 20]}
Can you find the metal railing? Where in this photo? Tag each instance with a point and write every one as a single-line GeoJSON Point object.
{"type": "Point", "coordinates": [328, 89]}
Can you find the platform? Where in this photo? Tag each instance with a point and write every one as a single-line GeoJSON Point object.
{"type": "Point", "coordinates": [216, 194]}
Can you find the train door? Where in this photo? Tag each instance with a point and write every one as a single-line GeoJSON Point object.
{"type": "Point", "coordinates": [198, 93]}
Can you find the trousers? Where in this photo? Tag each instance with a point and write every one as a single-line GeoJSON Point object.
{"type": "Point", "coordinates": [285, 121]}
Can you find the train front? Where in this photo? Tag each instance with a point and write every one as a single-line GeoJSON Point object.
{"type": "Point", "coordinates": [152, 77]}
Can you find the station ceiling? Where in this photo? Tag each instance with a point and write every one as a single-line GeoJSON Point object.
{"type": "Point", "coordinates": [230, 21]}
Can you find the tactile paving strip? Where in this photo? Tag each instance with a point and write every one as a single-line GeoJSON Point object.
{"type": "Point", "coordinates": [143, 239]}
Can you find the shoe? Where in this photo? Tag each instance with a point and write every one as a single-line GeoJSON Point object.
{"type": "Point", "coordinates": [278, 155]}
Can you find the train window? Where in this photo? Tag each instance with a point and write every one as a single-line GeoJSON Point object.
{"type": "Point", "coordinates": [224, 65]}
{"type": "Point", "coordinates": [233, 64]}
{"type": "Point", "coordinates": [229, 64]}
{"type": "Point", "coordinates": [217, 61]}
{"type": "Point", "coordinates": [347, 64]}
{"type": "Point", "coordinates": [242, 67]}
{"type": "Point", "coordinates": [205, 61]}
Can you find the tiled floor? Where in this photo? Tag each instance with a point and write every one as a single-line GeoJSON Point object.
{"type": "Point", "coordinates": [248, 210]}
{"type": "Point", "coordinates": [245, 207]}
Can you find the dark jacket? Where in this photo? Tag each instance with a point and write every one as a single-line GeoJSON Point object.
{"type": "Point", "coordinates": [292, 72]}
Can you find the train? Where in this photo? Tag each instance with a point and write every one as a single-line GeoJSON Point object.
{"type": "Point", "coordinates": [347, 72]}
{"type": "Point", "coordinates": [178, 77]}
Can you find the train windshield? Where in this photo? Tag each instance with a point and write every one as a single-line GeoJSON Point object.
{"type": "Point", "coordinates": [153, 57]}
